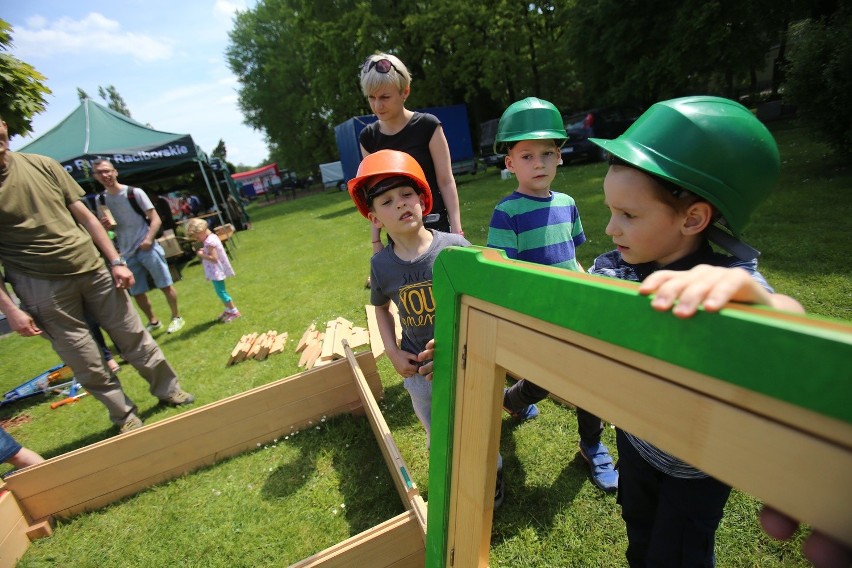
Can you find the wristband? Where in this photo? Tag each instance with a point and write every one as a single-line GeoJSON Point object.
{"type": "Point", "coordinates": [374, 242]}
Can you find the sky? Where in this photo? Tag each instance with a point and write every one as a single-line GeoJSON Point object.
{"type": "Point", "coordinates": [165, 58]}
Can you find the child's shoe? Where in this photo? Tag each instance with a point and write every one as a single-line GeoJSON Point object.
{"type": "Point", "coordinates": [604, 474]}
{"type": "Point", "coordinates": [231, 316]}
{"type": "Point", "coordinates": [527, 413]}
{"type": "Point", "coordinates": [153, 325]}
{"type": "Point", "coordinates": [222, 316]}
{"type": "Point", "coordinates": [499, 490]}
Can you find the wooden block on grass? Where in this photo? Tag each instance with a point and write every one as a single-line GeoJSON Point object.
{"type": "Point", "coordinates": [343, 330]}
{"type": "Point", "coordinates": [278, 344]}
{"type": "Point", "coordinates": [360, 336]}
{"type": "Point", "coordinates": [312, 353]}
{"type": "Point", "coordinates": [303, 342]}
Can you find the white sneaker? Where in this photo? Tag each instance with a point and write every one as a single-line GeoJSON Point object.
{"type": "Point", "coordinates": [175, 324]}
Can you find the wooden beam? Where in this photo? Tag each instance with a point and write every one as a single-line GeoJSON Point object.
{"type": "Point", "coordinates": [750, 390]}
{"type": "Point", "coordinates": [13, 531]}
{"type": "Point", "coordinates": [396, 543]}
{"type": "Point", "coordinates": [405, 486]}
{"type": "Point", "coordinates": [94, 476]}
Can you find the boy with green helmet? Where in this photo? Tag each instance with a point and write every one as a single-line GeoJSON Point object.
{"type": "Point", "coordinates": [535, 224]}
{"type": "Point", "coordinates": [687, 172]}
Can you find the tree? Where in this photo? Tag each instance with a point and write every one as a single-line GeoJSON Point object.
{"type": "Point", "coordinates": [82, 95]}
{"type": "Point", "coordinates": [644, 52]}
{"type": "Point", "coordinates": [298, 62]}
{"type": "Point", "coordinates": [113, 99]}
{"type": "Point", "coordinates": [818, 78]}
{"type": "Point", "coordinates": [220, 151]}
{"type": "Point", "coordinates": [22, 89]}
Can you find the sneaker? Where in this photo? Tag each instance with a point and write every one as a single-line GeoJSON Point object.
{"type": "Point", "coordinates": [499, 490]}
{"type": "Point", "coordinates": [180, 398]}
{"type": "Point", "coordinates": [175, 324]}
{"type": "Point", "coordinates": [527, 413]}
{"type": "Point", "coordinates": [231, 316]}
{"type": "Point", "coordinates": [222, 316]}
{"type": "Point", "coordinates": [154, 325]}
{"type": "Point", "coordinates": [604, 474]}
{"type": "Point", "coordinates": [132, 423]}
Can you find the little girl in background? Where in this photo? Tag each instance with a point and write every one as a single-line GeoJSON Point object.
{"type": "Point", "coordinates": [217, 267]}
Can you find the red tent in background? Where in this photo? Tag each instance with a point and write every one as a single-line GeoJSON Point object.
{"type": "Point", "coordinates": [258, 181]}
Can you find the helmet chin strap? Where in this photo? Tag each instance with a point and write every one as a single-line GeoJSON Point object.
{"type": "Point", "coordinates": [731, 244]}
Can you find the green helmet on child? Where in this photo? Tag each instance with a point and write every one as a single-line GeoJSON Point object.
{"type": "Point", "coordinates": [529, 119]}
{"type": "Point", "coordinates": [714, 147]}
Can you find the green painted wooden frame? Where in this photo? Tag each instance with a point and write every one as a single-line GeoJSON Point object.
{"type": "Point", "coordinates": [796, 365]}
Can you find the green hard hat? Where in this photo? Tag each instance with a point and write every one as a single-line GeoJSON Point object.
{"type": "Point", "coordinates": [714, 147]}
{"type": "Point", "coordinates": [529, 119]}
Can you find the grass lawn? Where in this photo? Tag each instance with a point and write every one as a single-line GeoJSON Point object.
{"type": "Point", "coordinates": [305, 261]}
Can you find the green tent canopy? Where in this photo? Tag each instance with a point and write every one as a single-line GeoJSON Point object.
{"type": "Point", "coordinates": [139, 153]}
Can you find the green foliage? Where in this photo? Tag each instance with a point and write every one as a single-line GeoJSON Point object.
{"type": "Point", "coordinates": [304, 261]}
{"type": "Point", "coordinates": [220, 151]}
{"type": "Point", "coordinates": [113, 99]}
{"type": "Point", "coordinates": [819, 81]}
{"type": "Point", "coordinates": [22, 89]}
{"type": "Point", "coordinates": [645, 52]}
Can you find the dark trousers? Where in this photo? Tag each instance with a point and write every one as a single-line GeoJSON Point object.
{"type": "Point", "coordinates": [524, 393]}
{"type": "Point", "coordinates": [670, 521]}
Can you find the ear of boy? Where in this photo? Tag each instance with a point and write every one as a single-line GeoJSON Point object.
{"type": "Point", "coordinates": [698, 217]}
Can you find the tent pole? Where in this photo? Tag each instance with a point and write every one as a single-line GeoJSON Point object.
{"type": "Point", "coordinates": [210, 191]}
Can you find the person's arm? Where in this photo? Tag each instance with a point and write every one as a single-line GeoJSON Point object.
{"type": "Point", "coordinates": [404, 362]}
{"type": "Point", "coordinates": [19, 321]}
{"type": "Point", "coordinates": [712, 287]}
{"type": "Point", "coordinates": [440, 150]}
{"type": "Point", "coordinates": [121, 274]}
{"type": "Point", "coordinates": [154, 224]}
{"type": "Point", "coordinates": [375, 232]}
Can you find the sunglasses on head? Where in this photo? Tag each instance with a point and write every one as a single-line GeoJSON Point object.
{"type": "Point", "coordinates": [383, 66]}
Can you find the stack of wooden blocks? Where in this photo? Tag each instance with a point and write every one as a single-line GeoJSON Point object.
{"type": "Point", "coordinates": [320, 348]}
{"type": "Point", "coordinates": [258, 346]}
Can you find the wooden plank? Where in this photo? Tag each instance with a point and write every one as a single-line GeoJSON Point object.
{"type": "Point", "coordinates": [396, 543]}
{"type": "Point", "coordinates": [94, 476]}
{"type": "Point", "coordinates": [312, 353]}
{"type": "Point", "coordinates": [376, 345]}
{"type": "Point", "coordinates": [328, 342]}
{"type": "Point", "coordinates": [405, 486]}
{"type": "Point", "coordinates": [738, 415]}
{"type": "Point", "coordinates": [255, 347]}
{"type": "Point", "coordinates": [278, 344]}
{"type": "Point", "coordinates": [309, 351]}
{"type": "Point", "coordinates": [265, 345]}
{"type": "Point", "coordinates": [342, 332]}
{"type": "Point", "coordinates": [481, 399]}
{"type": "Point", "coordinates": [360, 337]}
{"type": "Point", "coordinates": [13, 531]}
{"type": "Point", "coordinates": [303, 342]}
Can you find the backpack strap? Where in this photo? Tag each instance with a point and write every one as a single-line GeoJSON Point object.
{"type": "Point", "coordinates": [131, 197]}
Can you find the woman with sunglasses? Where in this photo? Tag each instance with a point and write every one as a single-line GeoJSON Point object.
{"type": "Point", "coordinates": [386, 83]}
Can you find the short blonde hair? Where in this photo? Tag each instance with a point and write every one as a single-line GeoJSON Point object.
{"type": "Point", "coordinates": [372, 79]}
{"type": "Point", "coordinates": [195, 226]}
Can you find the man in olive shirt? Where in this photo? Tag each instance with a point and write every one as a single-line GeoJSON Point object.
{"type": "Point", "coordinates": [49, 243]}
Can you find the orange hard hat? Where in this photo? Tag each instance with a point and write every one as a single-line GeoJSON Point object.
{"type": "Point", "coordinates": [382, 165]}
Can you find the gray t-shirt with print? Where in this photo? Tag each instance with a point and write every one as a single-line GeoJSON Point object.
{"type": "Point", "coordinates": [409, 286]}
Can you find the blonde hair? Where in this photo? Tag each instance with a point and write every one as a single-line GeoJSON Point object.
{"type": "Point", "coordinates": [398, 75]}
{"type": "Point", "coordinates": [195, 226]}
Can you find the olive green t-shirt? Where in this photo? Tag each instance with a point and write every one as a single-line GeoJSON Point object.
{"type": "Point", "coordinates": [38, 235]}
